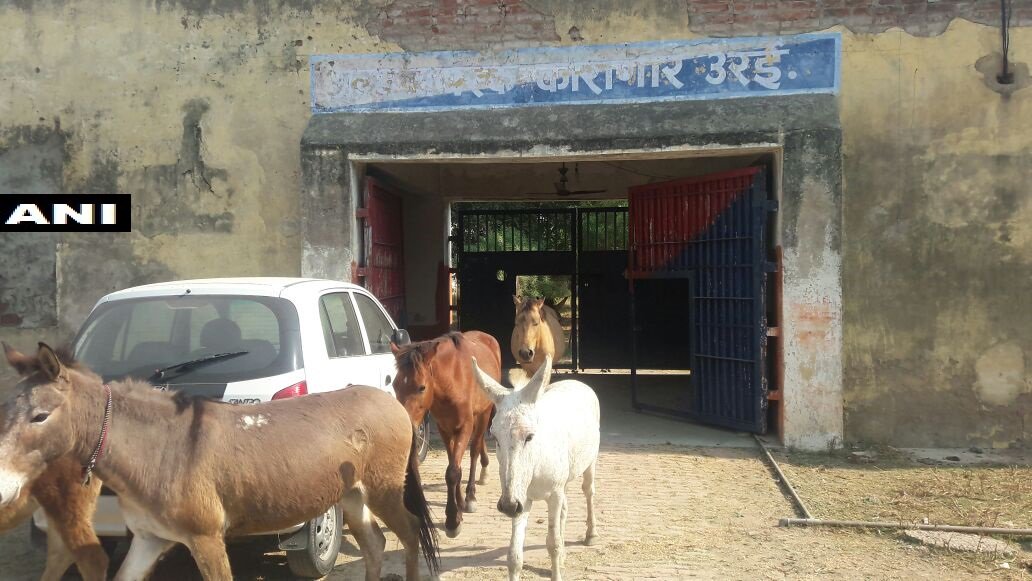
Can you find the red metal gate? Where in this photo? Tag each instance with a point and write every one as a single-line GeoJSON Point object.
{"type": "Point", "coordinates": [384, 270]}
{"type": "Point", "coordinates": [710, 233]}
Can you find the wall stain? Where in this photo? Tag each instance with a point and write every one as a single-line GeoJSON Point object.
{"type": "Point", "coordinates": [186, 196]}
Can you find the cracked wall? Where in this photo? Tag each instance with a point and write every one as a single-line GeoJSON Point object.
{"type": "Point", "coordinates": [197, 108]}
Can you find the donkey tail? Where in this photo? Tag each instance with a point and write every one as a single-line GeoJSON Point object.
{"type": "Point", "coordinates": [415, 502]}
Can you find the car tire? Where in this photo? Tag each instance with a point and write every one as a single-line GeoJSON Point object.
{"type": "Point", "coordinates": [110, 545]}
{"type": "Point", "coordinates": [423, 438]}
{"type": "Point", "coordinates": [317, 559]}
{"type": "Point", "coordinates": [37, 538]}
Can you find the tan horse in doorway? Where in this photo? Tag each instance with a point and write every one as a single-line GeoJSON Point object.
{"type": "Point", "coordinates": [537, 334]}
{"type": "Point", "coordinates": [194, 471]}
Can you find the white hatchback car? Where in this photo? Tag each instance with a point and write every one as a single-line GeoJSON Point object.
{"type": "Point", "coordinates": [242, 340]}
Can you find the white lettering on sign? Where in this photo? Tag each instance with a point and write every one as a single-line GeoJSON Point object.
{"type": "Point", "coordinates": [632, 72]}
{"type": "Point", "coordinates": [27, 213]}
{"type": "Point", "coordinates": [763, 64]}
{"type": "Point", "coordinates": [61, 214]}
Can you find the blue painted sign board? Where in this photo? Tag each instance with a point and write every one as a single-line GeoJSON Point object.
{"type": "Point", "coordinates": [623, 73]}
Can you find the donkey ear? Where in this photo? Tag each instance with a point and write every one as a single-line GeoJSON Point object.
{"type": "Point", "coordinates": [537, 385]}
{"type": "Point", "coordinates": [538, 302]}
{"type": "Point", "coordinates": [21, 362]}
{"type": "Point", "coordinates": [516, 300]}
{"type": "Point", "coordinates": [491, 388]}
{"type": "Point", "coordinates": [395, 349]}
{"type": "Point", "coordinates": [49, 363]}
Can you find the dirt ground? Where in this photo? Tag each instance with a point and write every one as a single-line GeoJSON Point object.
{"type": "Point", "coordinates": [666, 513]}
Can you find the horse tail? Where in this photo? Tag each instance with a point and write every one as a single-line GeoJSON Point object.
{"type": "Point", "coordinates": [415, 502]}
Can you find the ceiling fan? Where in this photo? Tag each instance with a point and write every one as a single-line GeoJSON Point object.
{"type": "Point", "coordinates": [561, 189]}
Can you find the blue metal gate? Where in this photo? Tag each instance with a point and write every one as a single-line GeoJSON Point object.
{"type": "Point", "coordinates": [711, 234]}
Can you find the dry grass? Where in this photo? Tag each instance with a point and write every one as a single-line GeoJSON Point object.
{"type": "Point", "coordinates": [896, 488]}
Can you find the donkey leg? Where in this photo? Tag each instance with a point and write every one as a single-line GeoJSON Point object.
{"type": "Point", "coordinates": [59, 558]}
{"type": "Point", "coordinates": [484, 461]}
{"type": "Point", "coordinates": [453, 476]}
{"type": "Point", "coordinates": [556, 542]}
{"type": "Point", "coordinates": [144, 552]}
{"type": "Point", "coordinates": [464, 441]}
{"type": "Point", "coordinates": [367, 533]}
{"type": "Point", "coordinates": [519, 533]}
{"type": "Point", "coordinates": [483, 464]}
{"type": "Point", "coordinates": [588, 486]}
{"type": "Point", "coordinates": [391, 510]}
{"type": "Point", "coordinates": [476, 449]}
{"type": "Point", "coordinates": [77, 538]}
{"type": "Point", "coordinates": [69, 507]}
{"type": "Point", "coordinates": [209, 552]}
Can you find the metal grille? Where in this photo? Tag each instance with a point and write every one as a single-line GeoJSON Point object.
{"type": "Point", "coordinates": [603, 229]}
{"type": "Point", "coordinates": [517, 231]}
{"type": "Point", "coordinates": [494, 247]}
{"type": "Point", "coordinates": [711, 230]}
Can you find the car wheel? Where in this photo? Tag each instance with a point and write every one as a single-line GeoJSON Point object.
{"type": "Point", "coordinates": [37, 538]}
{"type": "Point", "coordinates": [317, 560]}
{"type": "Point", "coordinates": [423, 438]}
{"type": "Point", "coordinates": [110, 545]}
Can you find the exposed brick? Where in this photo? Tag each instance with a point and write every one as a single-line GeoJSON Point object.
{"type": "Point", "coordinates": [916, 16]}
{"type": "Point", "coordinates": [838, 14]}
{"type": "Point", "coordinates": [458, 24]}
{"type": "Point", "coordinates": [10, 320]}
{"type": "Point", "coordinates": [797, 26]}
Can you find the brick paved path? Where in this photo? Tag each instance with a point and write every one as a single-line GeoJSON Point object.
{"type": "Point", "coordinates": [666, 513]}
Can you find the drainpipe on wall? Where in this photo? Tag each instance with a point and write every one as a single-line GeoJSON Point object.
{"type": "Point", "coordinates": [1005, 77]}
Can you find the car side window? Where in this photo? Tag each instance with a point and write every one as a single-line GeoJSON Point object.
{"type": "Point", "coordinates": [377, 326]}
{"type": "Point", "coordinates": [340, 326]}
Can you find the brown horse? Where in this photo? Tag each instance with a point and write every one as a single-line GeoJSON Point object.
{"type": "Point", "coordinates": [194, 471]}
{"type": "Point", "coordinates": [435, 375]}
{"type": "Point", "coordinates": [537, 333]}
{"type": "Point", "coordinates": [69, 507]}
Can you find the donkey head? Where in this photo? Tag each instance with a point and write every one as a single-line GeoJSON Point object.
{"type": "Point", "coordinates": [515, 426]}
{"type": "Point", "coordinates": [35, 424]}
{"type": "Point", "coordinates": [414, 384]}
{"type": "Point", "coordinates": [529, 328]}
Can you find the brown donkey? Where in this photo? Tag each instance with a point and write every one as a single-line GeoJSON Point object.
{"type": "Point", "coordinates": [435, 375]}
{"type": "Point", "coordinates": [193, 471]}
{"type": "Point", "coordinates": [69, 507]}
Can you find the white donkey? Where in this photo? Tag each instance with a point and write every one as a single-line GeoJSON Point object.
{"type": "Point", "coordinates": [547, 435]}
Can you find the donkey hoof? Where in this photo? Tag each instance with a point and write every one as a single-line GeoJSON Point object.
{"type": "Point", "coordinates": [471, 506]}
{"type": "Point", "coordinates": [452, 533]}
{"type": "Point", "coordinates": [590, 541]}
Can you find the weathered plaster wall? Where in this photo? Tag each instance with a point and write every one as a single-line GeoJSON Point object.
{"type": "Point", "coordinates": [937, 263]}
{"type": "Point", "coordinates": [196, 107]}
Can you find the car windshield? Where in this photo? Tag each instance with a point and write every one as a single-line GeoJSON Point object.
{"type": "Point", "coordinates": [135, 337]}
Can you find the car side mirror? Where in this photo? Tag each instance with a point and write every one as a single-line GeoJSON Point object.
{"type": "Point", "coordinates": [400, 337]}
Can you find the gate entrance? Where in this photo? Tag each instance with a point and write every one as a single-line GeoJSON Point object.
{"type": "Point", "coordinates": [672, 288]}
{"type": "Point", "coordinates": [701, 244]}
{"type": "Point", "coordinates": [587, 246]}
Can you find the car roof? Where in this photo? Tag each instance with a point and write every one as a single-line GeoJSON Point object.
{"type": "Point", "coordinates": [262, 286]}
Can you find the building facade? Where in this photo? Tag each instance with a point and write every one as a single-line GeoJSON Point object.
{"type": "Point", "coordinates": [905, 213]}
